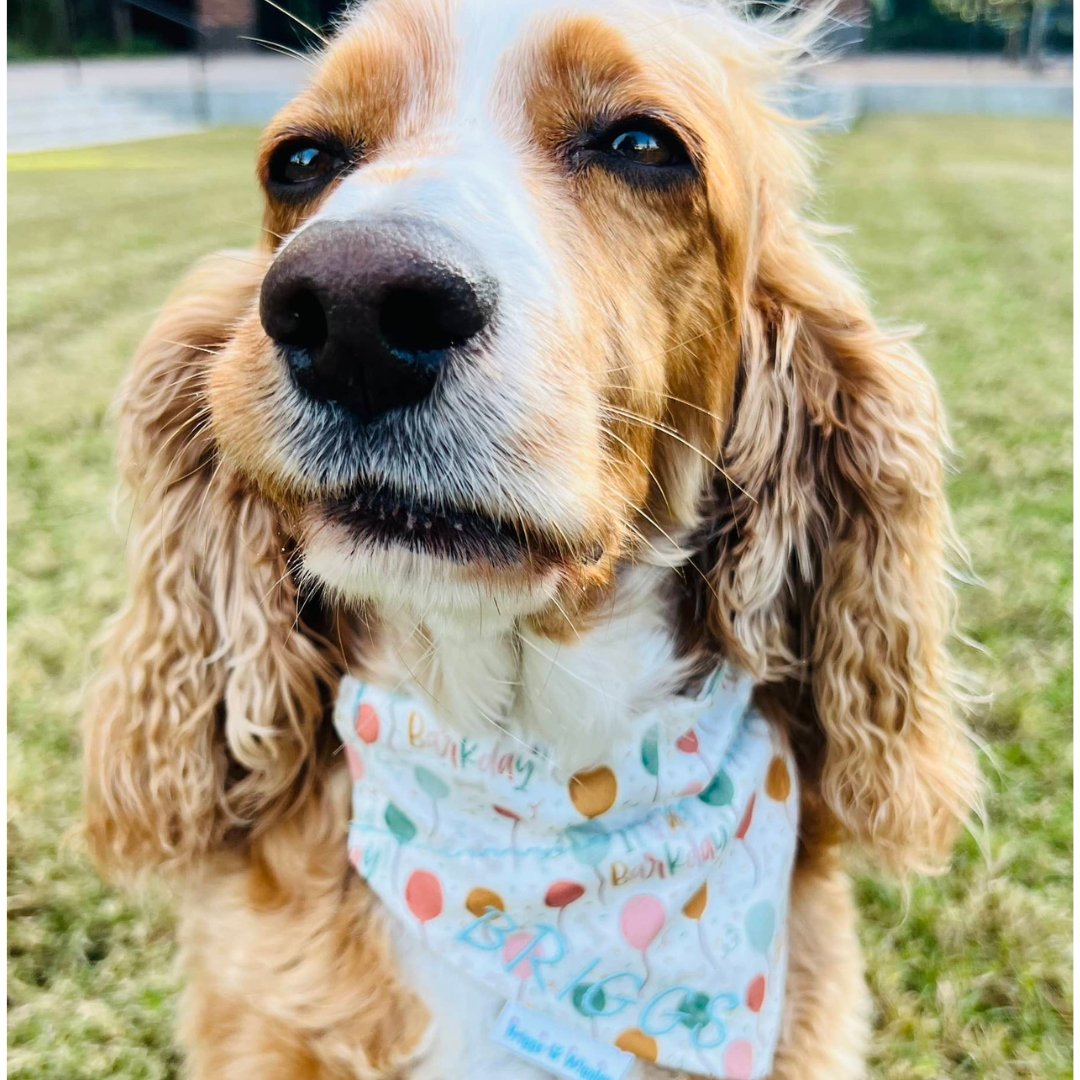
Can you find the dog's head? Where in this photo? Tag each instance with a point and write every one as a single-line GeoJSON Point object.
{"type": "Point", "coordinates": [538, 301]}
{"type": "Point", "coordinates": [497, 345]}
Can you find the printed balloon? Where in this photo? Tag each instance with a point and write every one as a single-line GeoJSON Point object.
{"type": "Point", "coordinates": [430, 784]}
{"type": "Point", "coordinates": [641, 920]}
{"type": "Point", "coordinates": [356, 763]}
{"type": "Point", "coordinates": [593, 791]}
{"type": "Point", "coordinates": [695, 907]}
{"type": "Point", "coordinates": [480, 901]}
{"type": "Point", "coordinates": [720, 791]}
{"type": "Point", "coordinates": [761, 925]}
{"type": "Point", "coordinates": [398, 823]}
{"type": "Point", "coordinates": [588, 843]}
{"type": "Point", "coordinates": [688, 743]}
{"type": "Point", "coordinates": [739, 1060]}
{"type": "Point", "coordinates": [589, 1004]}
{"type": "Point", "coordinates": [635, 1041]}
{"type": "Point", "coordinates": [367, 724]}
{"type": "Point", "coordinates": [748, 818]}
{"type": "Point", "coordinates": [515, 945]}
{"type": "Point", "coordinates": [755, 994]}
{"type": "Point", "coordinates": [778, 780]}
{"type": "Point", "coordinates": [424, 895]}
{"type": "Point", "coordinates": [562, 893]}
{"type": "Point", "coordinates": [650, 752]}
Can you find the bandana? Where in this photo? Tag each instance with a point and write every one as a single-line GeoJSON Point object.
{"type": "Point", "coordinates": [641, 902]}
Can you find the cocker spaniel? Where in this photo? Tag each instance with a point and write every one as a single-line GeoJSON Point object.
{"type": "Point", "coordinates": [539, 573]}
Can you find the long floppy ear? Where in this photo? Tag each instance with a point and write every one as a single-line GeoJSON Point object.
{"type": "Point", "coordinates": [203, 721]}
{"type": "Point", "coordinates": [830, 564]}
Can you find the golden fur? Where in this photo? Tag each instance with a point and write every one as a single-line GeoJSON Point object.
{"type": "Point", "coordinates": [821, 543]}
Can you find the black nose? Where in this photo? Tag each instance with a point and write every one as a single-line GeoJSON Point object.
{"type": "Point", "coordinates": [366, 314]}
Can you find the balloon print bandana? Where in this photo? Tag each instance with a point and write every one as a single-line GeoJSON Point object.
{"type": "Point", "coordinates": [642, 901]}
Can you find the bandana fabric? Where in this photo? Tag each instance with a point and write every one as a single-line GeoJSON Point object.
{"type": "Point", "coordinates": [642, 901]}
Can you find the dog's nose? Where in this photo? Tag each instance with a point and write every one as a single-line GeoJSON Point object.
{"type": "Point", "coordinates": [366, 314]}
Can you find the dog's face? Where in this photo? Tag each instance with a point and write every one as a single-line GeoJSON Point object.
{"type": "Point", "coordinates": [497, 341]}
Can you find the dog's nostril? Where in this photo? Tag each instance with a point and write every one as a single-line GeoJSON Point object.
{"type": "Point", "coordinates": [300, 321]}
{"type": "Point", "coordinates": [415, 320]}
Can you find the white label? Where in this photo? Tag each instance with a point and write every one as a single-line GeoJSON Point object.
{"type": "Point", "coordinates": [559, 1048]}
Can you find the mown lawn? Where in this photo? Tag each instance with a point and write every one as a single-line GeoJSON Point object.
{"type": "Point", "coordinates": [963, 225]}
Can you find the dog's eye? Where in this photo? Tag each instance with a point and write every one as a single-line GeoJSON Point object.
{"type": "Point", "coordinates": [642, 149]}
{"type": "Point", "coordinates": [300, 165]}
{"type": "Point", "coordinates": [645, 148]}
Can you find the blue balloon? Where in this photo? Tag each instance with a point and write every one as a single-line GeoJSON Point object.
{"type": "Point", "coordinates": [761, 925]}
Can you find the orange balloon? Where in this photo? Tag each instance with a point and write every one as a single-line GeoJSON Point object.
{"type": "Point", "coordinates": [593, 791]}
{"type": "Point", "coordinates": [480, 901]}
{"type": "Point", "coordinates": [695, 907]}
{"type": "Point", "coordinates": [778, 780]}
{"type": "Point", "coordinates": [635, 1041]}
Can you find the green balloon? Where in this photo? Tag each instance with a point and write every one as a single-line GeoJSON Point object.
{"type": "Point", "coordinates": [430, 784]}
{"type": "Point", "coordinates": [720, 791]}
{"type": "Point", "coordinates": [402, 828]}
{"type": "Point", "coordinates": [589, 1000]}
{"type": "Point", "coordinates": [650, 752]}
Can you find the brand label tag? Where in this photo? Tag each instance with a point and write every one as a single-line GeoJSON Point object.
{"type": "Point", "coordinates": [558, 1048]}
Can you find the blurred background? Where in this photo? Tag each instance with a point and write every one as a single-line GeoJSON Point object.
{"type": "Point", "coordinates": [947, 149]}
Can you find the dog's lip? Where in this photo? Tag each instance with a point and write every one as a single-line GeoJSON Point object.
{"type": "Point", "coordinates": [430, 525]}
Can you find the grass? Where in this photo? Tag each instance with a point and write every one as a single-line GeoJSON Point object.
{"type": "Point", "coordinates": [963, 225]}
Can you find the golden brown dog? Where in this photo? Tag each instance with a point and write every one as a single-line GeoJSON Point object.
{"type": "Point", "coordinates": [541, 395]}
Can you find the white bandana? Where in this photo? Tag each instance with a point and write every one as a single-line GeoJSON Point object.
{"type": "Point", "coordinates": [642, 901]}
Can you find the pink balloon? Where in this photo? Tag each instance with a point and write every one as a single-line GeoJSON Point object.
{"type": "Point", "coordinates": [356, 763]}
{"type": "Point", "coordinates": [356, 856]}
{"type": "Point", "coordinates": [748, 817]}
{"type": "Point", "coordinates": [688, 743]}
{"type": "Point", "coordinates": [513, 948]}
{"type": "Point", "coordinates": [739, 1061]}
{"type": "Point", "coordinates": [423, 894]}
{"type": "Point", "coordinates": [367, 724]}
{"type": "Point", "coordinates": [563, 893]}
{"type": "Point", "coordinates": [641, 920]}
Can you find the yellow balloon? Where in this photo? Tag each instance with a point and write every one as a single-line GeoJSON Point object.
{"type": "Point", "coordinates": [778, 781]}
{"type": "Point", "coordinates": [593, 791]}
{"type": "Point", "coordinates": [694, 908]}
{"type": "Point", "coordinates": [480, 901]}
{"type": "Point", "coordinates": [635, 1041]}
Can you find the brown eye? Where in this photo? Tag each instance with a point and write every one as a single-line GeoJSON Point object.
{"type": "Point", "coordinates": [642, 148]}
{"type": "Point", "coordinates": [300, 167]}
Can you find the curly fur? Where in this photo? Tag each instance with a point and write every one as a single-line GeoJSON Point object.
{"type": "Point", "coordinates": [203, 721]}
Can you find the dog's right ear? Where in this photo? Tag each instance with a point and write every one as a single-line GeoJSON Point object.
{"type": "Point", "coordinates": [203, 721]}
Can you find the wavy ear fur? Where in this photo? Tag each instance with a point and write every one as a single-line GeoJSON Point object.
{"type": "Point", "coordinates": [203, 721]}
{"type": "Point", "coordinates": [830, 565]}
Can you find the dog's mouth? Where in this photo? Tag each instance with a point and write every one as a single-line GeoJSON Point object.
{"type": "Point", "coordinates": [460, 534]}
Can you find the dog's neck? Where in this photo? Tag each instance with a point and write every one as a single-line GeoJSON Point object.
{"type": "Point", "coordinates": [482, 672]}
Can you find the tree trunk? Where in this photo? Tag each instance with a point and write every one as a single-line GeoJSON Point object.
{"type": "Point", "coordinates": [1040, 23]}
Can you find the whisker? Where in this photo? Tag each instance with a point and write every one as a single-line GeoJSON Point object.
{"type": "Point", "coordinates": [656, 481]}
{"type": "Point", "coordinates": [277, 47]}
{"type": "Point", "coordinates": [299, 22]}
{"type": "Point", "coordinates": [663, 429]}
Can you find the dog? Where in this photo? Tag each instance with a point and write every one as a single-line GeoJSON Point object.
{"type": "Point", "coordinates": [543, 419]}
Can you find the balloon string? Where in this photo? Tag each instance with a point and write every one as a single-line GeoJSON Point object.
{"type": "Point", "coordinates": [645, 962]}
{"type": "Point", "coordinates": [705, 948]}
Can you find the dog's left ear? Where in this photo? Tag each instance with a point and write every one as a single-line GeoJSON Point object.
{"type": "Point", "coordinates": [829, 553]}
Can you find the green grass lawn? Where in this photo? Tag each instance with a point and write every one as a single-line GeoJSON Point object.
{"type": "Point", "coordinates": [963, 225]}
